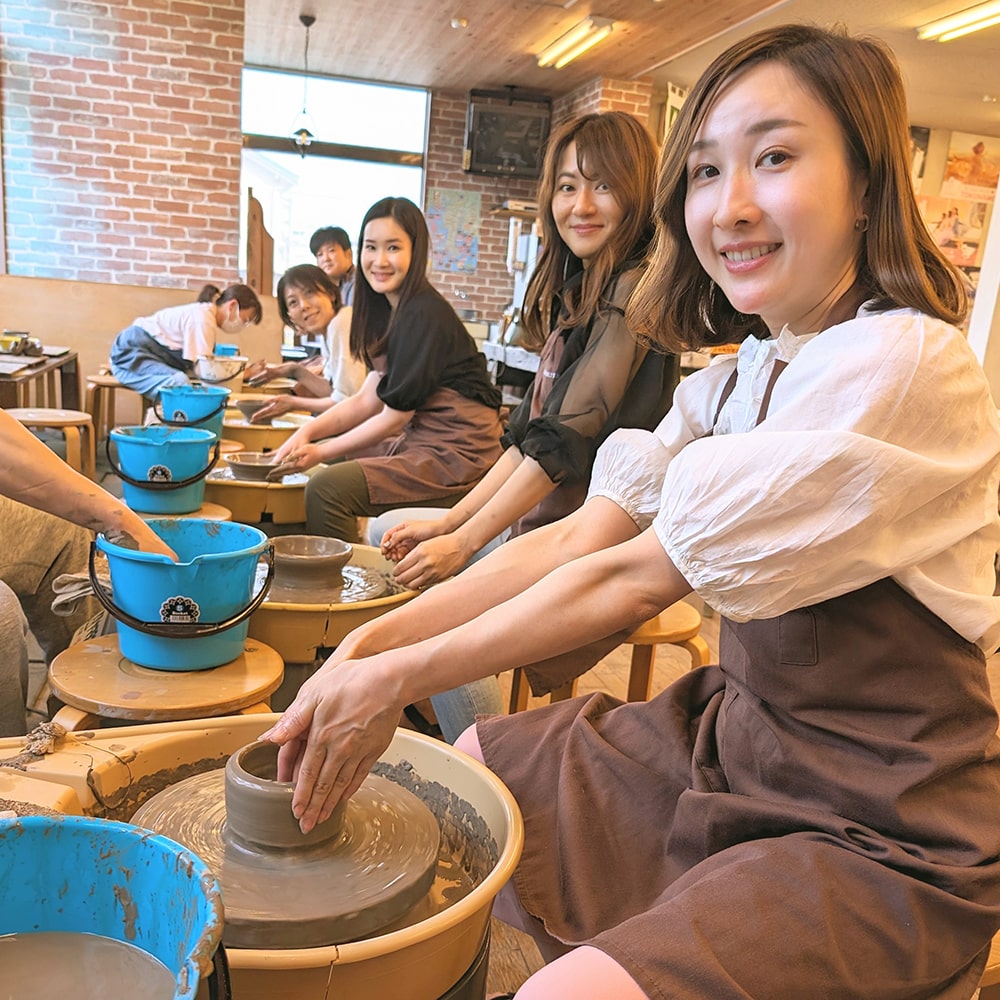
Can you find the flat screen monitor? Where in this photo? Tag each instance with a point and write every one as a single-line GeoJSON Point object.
{"type": "Point", "coordinates": [506, 139]}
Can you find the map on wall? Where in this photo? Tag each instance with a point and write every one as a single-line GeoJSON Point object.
{"type": "Point", "coordinates": [453, 221]}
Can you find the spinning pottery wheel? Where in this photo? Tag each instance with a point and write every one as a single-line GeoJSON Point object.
{"type": "Point", "coordinates": [358, 872]}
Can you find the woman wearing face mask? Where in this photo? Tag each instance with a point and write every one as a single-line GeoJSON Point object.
{"type": "Point", "coordinates": [425, 426]}
{"type": "Point", "coordinates": [309, 301]}
{"type": "Point", "coordinates": [160, 350]}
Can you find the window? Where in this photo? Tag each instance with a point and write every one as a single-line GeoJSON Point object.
{"type": "Point", "coordinates": [369, 142]}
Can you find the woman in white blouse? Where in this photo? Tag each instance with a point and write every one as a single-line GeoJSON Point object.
{"type": "Point", "coordinates": [815, 816]}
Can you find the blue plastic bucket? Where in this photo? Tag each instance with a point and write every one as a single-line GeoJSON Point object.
{"type": "Point", "coordinates": [192, 614]}
{"type": "Point", "coordinates": [74, 874]}
{"type": "Point", "coordinates": [227, 350]}
{"type": "Point", "coordinates": [163, 468]}
{"type": "Point", "coordinates": [201, 406]}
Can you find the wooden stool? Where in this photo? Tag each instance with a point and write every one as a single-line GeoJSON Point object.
{"type": "Point", "coordinates": [95, 682]}
{"type": "Point", "coordinates": [677, 625]}
{"type": "Point", "coordinates": [208, 511]}
{"type": "Point", "coordinates": [77, 429]}
{"type": "Point", "coordinates": [989, 985]}
{"type": "Point", "coordinates": [99, 401]}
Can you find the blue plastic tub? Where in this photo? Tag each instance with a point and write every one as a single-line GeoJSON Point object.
{"type": "Point", "coordinates": [163, 468]}
{"type": "Point", "coordinates": [74, 874]}
{"type": "Point", "coordinates": [189, 615]}
{"type": "Point", "coordinates": [201, 406]}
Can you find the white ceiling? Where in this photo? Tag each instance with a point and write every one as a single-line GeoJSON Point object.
{"type": "Point", "coordinates": [411, 41]}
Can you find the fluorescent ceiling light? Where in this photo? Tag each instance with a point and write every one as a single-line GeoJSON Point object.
{"type": "Point", "coordinates": [581, 37]}
{"type": "Point", "coordinates": [983, 15]}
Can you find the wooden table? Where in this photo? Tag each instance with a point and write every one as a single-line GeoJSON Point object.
{"type": "Point", "coordinates": [53, 383]}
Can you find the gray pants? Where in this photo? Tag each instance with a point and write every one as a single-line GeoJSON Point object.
{"type": "Point", "coordinates": [13, 663]}
{"type": "Point", "coordinates": [35, 548]}
{"type": "Point", "coordinates": [338, 495]}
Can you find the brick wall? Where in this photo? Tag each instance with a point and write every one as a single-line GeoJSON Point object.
{"type": "Point", "coordinates": [633, 96]}
{"type": "Point", "coordinates": [490, 287]}
{"type": "Point", "coordinates": [121, 139]}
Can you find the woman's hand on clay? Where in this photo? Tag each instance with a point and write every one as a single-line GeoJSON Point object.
{"type": "Point", "coordinates": [298, 460]}
{"type": "Point", "coordinates": [277, 406]}
{"type": "Point", "coordinates": [432, 561]}
{"type": "Point", "coordinates": [331, 736]}
{"type": "Point", "coordinates": [298, 440]}
{"type": "Point", "coordinates": [402, 537]}
{"type": "Point", "coordinates": [260, 372]}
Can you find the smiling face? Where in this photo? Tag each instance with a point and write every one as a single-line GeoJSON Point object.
{"type": "Point", "coordinates": [310, 310]}
{"type": "Point", "coordinates": [334, 260]}
{"type": "Point", "coordinates": [585, 211]}
{"type": "Point", "coordinates": [385, 257]}
{"type": "Point", "coordinates": [772, 201]}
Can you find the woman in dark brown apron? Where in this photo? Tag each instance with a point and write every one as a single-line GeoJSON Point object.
{"type": "Point", "coordinates": [814, 816]}
{"type": "Point", "coordinates": [425, 425]}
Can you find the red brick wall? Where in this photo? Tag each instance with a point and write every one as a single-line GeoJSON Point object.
{"type": "Point", "coordinates": [633, 96]}
{"type": "Point", "coordinates": [121, 139]}
{"type": "Point", "coordinates": [490, 288]}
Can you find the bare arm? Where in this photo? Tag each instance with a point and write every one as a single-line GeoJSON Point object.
{"type": "Point", "coordinates": [526, 484]}
{"type": "Point", "coordinates": [344, 717]}
{"type": "Point", "coordinates": [32, 474]}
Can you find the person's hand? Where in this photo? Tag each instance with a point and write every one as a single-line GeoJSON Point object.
{"type": "Point", "coordinates": [297, 440]}
{"type": "Point", "coordinates": [298, 460]}
{"type": "Point", "coordinates": [331, 736]}
{"type": "Point", "coordinates": [260, 372]}
{"type": "Point", "coordinates": [277, 406]}
{"type": "Point", "coordinates": [432, 561]}
{"type": "Point", "coordinates": [400, 538]}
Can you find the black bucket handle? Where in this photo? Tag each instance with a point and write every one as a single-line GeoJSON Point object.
{"type": "Point", "coordinates": [148, 484]}
{"type": "Point", "coordinates": [219, 984]}
{"type": "Point", "coordinates": [189, 423]}
{"type": "Point", "coordinates": [228, 378]}
{"type": "Point", "coordinates": [179, 630]}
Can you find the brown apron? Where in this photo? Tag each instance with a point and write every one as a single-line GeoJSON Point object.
{"type": "Point", "coordinates": [450, 443]}
{"type": "Point", "coordinates": [813, 818]}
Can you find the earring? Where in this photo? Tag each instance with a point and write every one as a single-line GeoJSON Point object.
{"type": "Point", "coordinates": [861, 224]}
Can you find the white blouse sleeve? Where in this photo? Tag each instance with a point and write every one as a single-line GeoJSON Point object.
{"type": "Point", "coordinates": [630, 465]}
{"type": "Point", "coordinates": [879, 453]}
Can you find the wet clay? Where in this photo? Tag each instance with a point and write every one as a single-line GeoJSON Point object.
{"type": "Point", "coordinates": [351, 585]}
{"type": "Point", "coordinates": [80, 966]}
{"type": "Point", "coordinates": [377, 862]}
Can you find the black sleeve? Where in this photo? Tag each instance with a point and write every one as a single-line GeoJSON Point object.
{"type": "Point", "coordinates": [606, 380]}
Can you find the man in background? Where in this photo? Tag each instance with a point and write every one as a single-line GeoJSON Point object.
{"type": "Point", "coordinates": [331, 247]}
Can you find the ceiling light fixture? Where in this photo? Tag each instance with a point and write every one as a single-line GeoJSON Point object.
{"type": "Point", "coordinates": [983, 15]}
{"type": "Point", "coordinates": [582, 36]}
{"type": "Point", "coordinates": [302, 128]}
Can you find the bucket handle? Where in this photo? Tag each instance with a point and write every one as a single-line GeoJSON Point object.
{"type": "Point", "coordinates": [228, 378]}
{"type": "Point", "coordinates": [219, 984]}
{"type": "Point", "coordinates": [147, 484]}
{"type": "Point", "coordinates": [178, 630]}
{"type": "Point", "coordinates": [188, 423]}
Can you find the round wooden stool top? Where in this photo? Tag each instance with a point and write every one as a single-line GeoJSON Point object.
{"type": "Point", "coordinates": [94, 677]}
{"type": "Point", "coordinates": [230, 447]}
{"type": "Point", "coordinates": [43, 417]}
{"type": "Point", "coordinates": [105, 381]}
{"type": "Point", "coordinates": [672, 625]}
{"type": "Point", "coordinates": [208, 511]}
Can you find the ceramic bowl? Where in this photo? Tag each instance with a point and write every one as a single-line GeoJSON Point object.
{"type": "Point", "coordinates": [218, 369]}
{"type": "Point", "coordinates": [249, 405]}
{"type": "Point", "coordinates": [309, 561]}
{"type": "Point", "coordinates": [251, 465]}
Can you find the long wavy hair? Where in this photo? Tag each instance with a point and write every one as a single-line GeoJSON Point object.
{"type": "Point", "coordinates": [677, 306]}
{"type": "Point", "coordinates": [613, 147]}
{"type": "Point", "coordinates": [373, 314]}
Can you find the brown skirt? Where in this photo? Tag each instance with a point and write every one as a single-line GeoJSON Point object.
{"type": "Point", "coordinates": [814, 818]}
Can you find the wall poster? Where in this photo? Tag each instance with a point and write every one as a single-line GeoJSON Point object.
{"type": "Point", "coordinates": [453, 220]}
